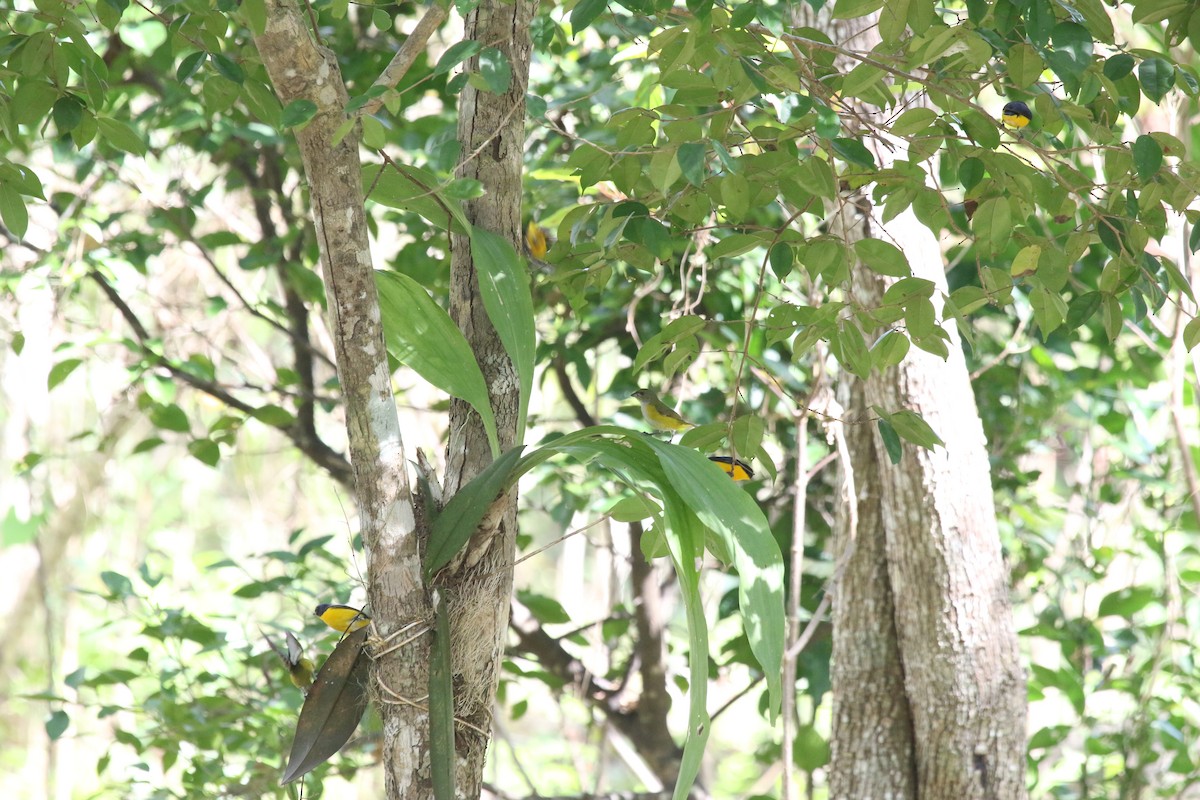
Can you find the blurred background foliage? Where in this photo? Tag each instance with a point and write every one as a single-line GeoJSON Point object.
{"type": "Point", "coordinates": [171, 437]}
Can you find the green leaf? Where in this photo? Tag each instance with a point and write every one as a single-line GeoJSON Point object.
{"type": "Point", "coordinates": [1118, 66]}
{"type": "Point", "coordinates": [545, 610]}
{"type": "Point", "coordinates": [1147, 157]}
{"type": "Point", "coordinates": [889, 349]}
{"type": "Point", "coordinates": [414, 189]}
{"type": "Point", "coordinates": [206, 451]}
{"type": "Point", "coordinates": [883, 258]}
{"type": "Point", "coordinates": [914, 120]}
{"type": "Point", "coordinates": [119, 587]}
{"type": "Point", "coordinates": [13, 211]}
{"type": "Point", "coordinates": [665, 339]}
{"type": "Point", "coordinates": [634, 508]}
{"type": "Point", "coordinates": [1157, 76]}
{"type": "Point", "coordinates": [992, 224]}
{"type": "Point", "coordinates": [1024, 65]}
{"type": "Point", "coordinates": [1127, 602]}
{"type": "Point", "coordinates": [911, 426]}
{"type": "Point", "coordinates": [60, 371]}
{"type": "Point", "coordinates": [441, 705]}
{"type": "Point", "coordinates": [971, 172]}
{"type": "Point", "coordinates": [891, 441]}
{"type": "Point", "coordinates": [228, 68]}
{"type": "Point", "coordinates": [854, 152]}
{"type": "Point", "coordinates": [585, 13]}
{"type": "Point", "coordinates": [781, 256]}
{"type": "Point", "coordinates": [421, 335]}
{"type": "Point", "coordinates": [121, 136]}
{"type": "Point", "coordinates": [169, 417]}
{"type": "Point", "coordinates": [1191, 333]}
{"type": "Point", "coordinates": [297, 113]}
{"type": "Point", "coordinates": [731, 514]}
{"type": "Point", "coordinates": [1049, 309]}
{"type": "Point", "coordinates": [691, 157]}
{"type": "Point", "coordinates": [456, 54]}
{"type": "Point", "coordinates": [464, 189]}
{"type": "Point", "coordinates": [56, 724]}
{"type": "Point", "coordinates": [981, 129]}
{"type": "Point", "coordinates": [853, 9]}
{"type": "Point", "coordinates": [190, 64]}
{"type": "Point", "coordinates": [456, 523]}
{"type": "Point", "coordinates": [333, 708]}
{"type": "Point", "coordinates": [504, 286]}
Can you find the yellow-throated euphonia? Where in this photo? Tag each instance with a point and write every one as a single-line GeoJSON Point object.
{"type": "Point", "coordinates": [346, 619]}
{"type": "Point", "coordinates": [658, 414]}
{"type": "Point", "coordinates": [537, 240]}
{"type": "Point", "coordinates": [300, 667]}
{"type": "Point", "coordinates": [737, 469]}
{"type": "Point", "coordinates": [1016, 115]}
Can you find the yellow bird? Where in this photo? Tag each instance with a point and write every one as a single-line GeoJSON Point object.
{"type": "Point", "coordinates": [1016, 115]}
{"type": "Point", "coordinates": [300, 667]}
{"type": "Point", "coordinates": [537, 240]}
{"type": "Point", "coordinates": [346, 619]}
{"type": "Point", "coordinates": [658, 414]}
{"type": "Point", "coordinates": [735, 468]}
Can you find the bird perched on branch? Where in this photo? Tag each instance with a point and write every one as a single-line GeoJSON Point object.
{"type": "Point", "coordinates": [346, 619]}
{"type": "Point", "coordinates": [737, 469]}
{"type": "Point", "coordinates": [658, 414]}
{"type": "Point", "coordinates": [1016, 115]}
{"type": "Point", "coordinates": [300, 667]}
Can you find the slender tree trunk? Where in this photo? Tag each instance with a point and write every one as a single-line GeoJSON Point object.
{"type": "Point", "coordinates": [929, 694]}
{"type": "Point", "coordinates": [477, 587]}
{"type": "Point", "coordinates": [299, 69]}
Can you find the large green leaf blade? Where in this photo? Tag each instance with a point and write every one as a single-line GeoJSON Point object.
{"type": "Point", "coordinates": [504, 285]}
{"type": "Point", "coordinates": [684, 536]}
{"type": "Point", "coordinates": [414, 189]}
{"type": "Point", "coordinates": [456, 523]}
{"type": "Point", "coordinates": [441, 707]}
{"type": "Point", "coordinates": [333, 708]}
{"type": "Point", "coordinates": [421, 335]}
{"type": "Point", "coordinates": [730, 513]}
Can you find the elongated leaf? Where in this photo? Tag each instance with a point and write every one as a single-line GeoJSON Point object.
{"type": "Point", "coordinates": [504, 285]}
{"type": "Point", "coordinates": [685, 533]}
{"type": "Point", "coordinates": [737, 520]}
{"type": "Point", "coordinates": [421, 335]}
{"type": "Point", "coordinates": [414, 189]}
{"type": "Point", "coordinates": [441, 707]}
{"type": "Point", "coordinates": [333, 708]}
{"type": "Point", "coordinates": [457, 522]}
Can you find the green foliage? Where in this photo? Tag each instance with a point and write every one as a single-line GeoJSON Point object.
{"type": "Point", "coordinates": [688, 177]}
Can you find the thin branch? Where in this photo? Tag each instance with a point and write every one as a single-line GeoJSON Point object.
{"type": "Point", "coordinates": [568, 389]}
{"type": "Point", "coordinates": [324, 456]}
{"type": "Point", "coordinates": [413, 46]}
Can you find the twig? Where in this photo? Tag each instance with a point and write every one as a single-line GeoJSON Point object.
{"type": "Point", "coordinates": [405, 56]}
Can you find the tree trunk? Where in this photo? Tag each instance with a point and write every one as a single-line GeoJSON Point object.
{"type": "Point", "coordinates": [477, 586]}
{"type": "Point", "coordinates": [299, 69]}
{"type": "Point", "coordinates": [929, 694]}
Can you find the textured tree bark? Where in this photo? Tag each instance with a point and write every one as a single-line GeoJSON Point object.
{"type": "Point", "coordinates": [951, 613]}
{"type": "Point", "coordinates": [477, 587]}
{"type": "Point", "coordinates": [299, 69]}
{"type": "Point", "coordinates": [929, 694]}
{"type": "Point", "coordinates": [872, 745]}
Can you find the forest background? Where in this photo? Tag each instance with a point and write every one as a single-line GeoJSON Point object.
{"type": "Point", "coordinates": [175, 440]}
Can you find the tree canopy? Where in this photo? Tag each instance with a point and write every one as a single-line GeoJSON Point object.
{"type": "Point", "coordinates": [176, 422]}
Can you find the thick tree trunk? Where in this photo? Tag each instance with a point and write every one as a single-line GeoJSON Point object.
{"type": "Point", "coordinates": [477, 586]}
{"type": "Point", "coordinates": [929, 695]}
{"type": "Point", "coordinates": [923, 632]}
{"type": "Point", "coordinates": [299, 69]}
{"type": "Point", "coordinates": [945, 586]}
